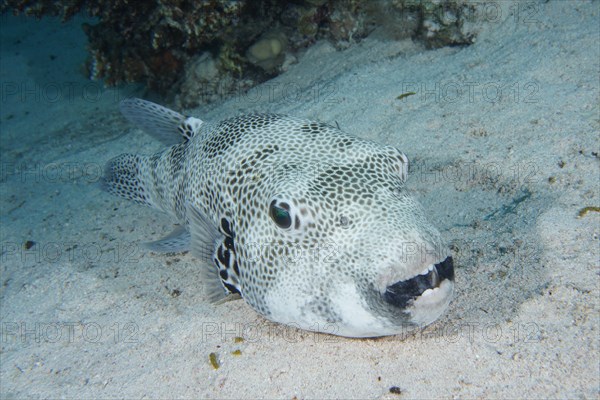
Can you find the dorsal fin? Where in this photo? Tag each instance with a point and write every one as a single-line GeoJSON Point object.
{"type": "Point", "coordinates": [166, 125]}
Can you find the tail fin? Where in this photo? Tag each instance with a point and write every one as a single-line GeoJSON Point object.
{"type": "Point", "coordinates": [122, 177]}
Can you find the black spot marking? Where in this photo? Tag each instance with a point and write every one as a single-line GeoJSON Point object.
{"type": "Point", "coordinates": [231, 288]}
{"type": "Point", "coordinates": [223, 274]}
{"type": "Point", "coordinates": [226, 227]}
{"type": "Point", "coordinates": [223, 256]}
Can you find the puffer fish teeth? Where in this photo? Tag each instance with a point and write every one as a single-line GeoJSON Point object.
{"type": "Point", "coordinates": [427, 270]}
{"type": "Point", "coordinates": [311, 226]}
{"type": "Point", "coordinates": [430, 292]}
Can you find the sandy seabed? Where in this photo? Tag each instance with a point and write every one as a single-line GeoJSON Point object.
{"type": "Point", "coordinates": [503, 136]}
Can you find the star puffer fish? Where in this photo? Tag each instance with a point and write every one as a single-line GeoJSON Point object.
{"type": "Point", "coordinates": [312, 227]}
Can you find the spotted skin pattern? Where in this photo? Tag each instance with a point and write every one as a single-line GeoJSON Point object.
{"type": "Point", "coordinates": [314, 228]}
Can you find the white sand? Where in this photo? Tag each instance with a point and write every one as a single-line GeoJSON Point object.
{"type": "Point", "coordinates": [87, 314]}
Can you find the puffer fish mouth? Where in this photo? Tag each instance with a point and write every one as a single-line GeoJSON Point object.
{"type": "Point", "coordinates": [402, 293]}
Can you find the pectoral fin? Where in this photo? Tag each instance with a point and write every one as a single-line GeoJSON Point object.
{"type": "Point", "coordinates": [177, 241]}
{"type": "Point", "coordinates": [205, 237]}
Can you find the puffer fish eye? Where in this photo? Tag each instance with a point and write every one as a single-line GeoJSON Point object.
{"type": "Point", "coordinates": [280, 214]}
